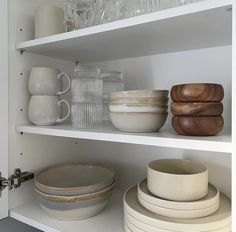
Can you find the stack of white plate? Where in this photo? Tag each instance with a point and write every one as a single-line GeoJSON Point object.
{"type": "Point", "coordinates": [74, 191]}
{"type": "Point", "coordinates": [175, 198]}
{"type": "Point", "coordinates": [139, 110]}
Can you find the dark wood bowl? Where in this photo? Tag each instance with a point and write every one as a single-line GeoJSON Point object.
{"type": "Point", "coordinates": [197, 92]}
{"type": "Point", "coordinates": [197, 108]}
{"type": "Point", "coordinates": [198, 126]}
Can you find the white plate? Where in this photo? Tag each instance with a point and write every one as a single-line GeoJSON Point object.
{"type": "Point", "coordinates": [133, 226]}
{"type": "Point", "coordinates": [212, 198]}
{"type": "Point", "coordinates": [176, 213]}
{"type": "Point", "coordinates": [221, 218]}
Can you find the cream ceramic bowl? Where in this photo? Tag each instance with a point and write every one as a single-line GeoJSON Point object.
{"type": "Point", "coordinates": [70, 208]}
{"type": "Point", "coordinates": [211, 199]}
{"type": "Point", "coordinates": [124, 108]}
{"type": "Point", "coordinates": [138, 122]}
{"type": "Point", "coordinates": [140, 94]}
{"type": "Point", "coordinates": [177, 180]}
{"type": "Point", "coordinates": [140, 101]}
{"type": "Point", "coordinates": [74, 179]}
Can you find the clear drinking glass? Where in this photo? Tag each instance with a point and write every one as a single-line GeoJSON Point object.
{"type": "Point", "coordinates": [165, 4]}
{"type": "Point", "coordinates": [112, 82]}
{"type": "Point", "coordinates": [69, 14]}
{"type": "Point", "coordinates": [87, 96]}
{"type": "Point", "coordinates": [123, 8]}
{"type": "Point", "coordinates": [108, 11]}
{"type": "Point", "coordinates": [139, 7]}
{"type": "Point", "coordinates": [85, 13]}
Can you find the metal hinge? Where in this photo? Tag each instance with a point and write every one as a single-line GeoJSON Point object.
{"type": "Point", "coordinates": [15, 180]}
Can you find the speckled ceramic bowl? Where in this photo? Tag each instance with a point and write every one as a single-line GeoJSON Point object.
{"type": "Point", "coordinates": [74, 179]}
{"type": "Point", "coordinates": [76, 207]}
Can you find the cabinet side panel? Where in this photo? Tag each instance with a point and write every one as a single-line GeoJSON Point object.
{"type": "Point", "coordinates": [234, 117]}
{"type": "Point", "coordinates": [4, 103]}
{"type": "Point", "coordinates": [30, 152]}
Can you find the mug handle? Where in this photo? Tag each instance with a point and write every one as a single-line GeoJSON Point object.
{"type": "Point", "coordinates": [60, 76]}
{"type": "Point", "coordinates": [68, 108]}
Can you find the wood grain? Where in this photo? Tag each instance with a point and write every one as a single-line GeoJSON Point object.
{"type": "Point", "coordinates": [198, 126]}
{"type": "Point", "coordinates": [197, 108]}
{"type": "Point", "coordinates": [197, 92]}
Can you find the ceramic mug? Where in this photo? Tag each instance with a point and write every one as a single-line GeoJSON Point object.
{"type": "Point", "coordinates": [47, 81]}
{"type": "Point", "coordinates": [46, 110]}
{"type": "Point", "coordinates": [48, 21]}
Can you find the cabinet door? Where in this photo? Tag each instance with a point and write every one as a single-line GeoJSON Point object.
{"type": "Point", "coordinates": [4, 103]}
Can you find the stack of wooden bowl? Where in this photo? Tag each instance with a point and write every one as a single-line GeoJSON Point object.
{"type": "Point", "coordinates": [176, 197]}
{"type": "Point", "coordinates": [197, 109]}
{"type": "Point", "coordinates": [74, 191]}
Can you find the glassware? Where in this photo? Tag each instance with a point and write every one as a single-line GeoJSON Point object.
{"type": "Point", "coordinates": [108, 11]}
{"type": "Point", "coordinates": [112, 82]}
{"type": "Point", "coordinates": [87, 92]}
{"type": "Point", "coordinates": [79, 14]}
{"type": "Point", "coordinates": [69, 13]}
{"type": "Point", "coordinates": [85, 13]}
{"type": "Point", "coordinates": [139, 7]}
{"type": "Point", "coordinates": [165, 4]}
{"type": "Point", "coordinates": [123, 7]}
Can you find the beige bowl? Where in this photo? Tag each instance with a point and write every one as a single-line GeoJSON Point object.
{"type": "Point", "coordinates": [76, 207]}
{"type": "Point", "coordinates": [140, 94]}
{"type": "Point", "coordinates": [178, 180]}
{"type": "Point", "coordinates": [138, 109]}
{"type": "Point", "coordinates": [140, 101]}
{"type": "Point", "coordinates": [74, 179]}
{"type": "Point", "coordinates": [138, 122]}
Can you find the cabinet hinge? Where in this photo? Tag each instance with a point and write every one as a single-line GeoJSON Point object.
{"type": "Point", "coordinates": [15, 180]}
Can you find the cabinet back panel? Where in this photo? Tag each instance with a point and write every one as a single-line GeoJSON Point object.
{"type": "Point", "coordinates": [165, 70]}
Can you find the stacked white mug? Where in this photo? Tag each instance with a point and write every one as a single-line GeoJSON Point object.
{"type": "Point", "coordinates": [45, 85]}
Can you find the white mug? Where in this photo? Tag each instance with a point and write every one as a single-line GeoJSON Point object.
{"type": "Point", "coordinates": [47, 81]}
{"type": "Point", "coordinates": [46, 110]}
{"type": "Point", "coordinates": [49, 20]}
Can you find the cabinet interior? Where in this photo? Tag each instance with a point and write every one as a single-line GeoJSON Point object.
{"type": "Point", "coordinates": [34, 152]}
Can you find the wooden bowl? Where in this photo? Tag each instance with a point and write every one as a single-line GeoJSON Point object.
{"type": "Point", "coordinates": [198, 126]}
{"type": "Point", "coordinates": [197, 92]}
{"type": "Point", "coordinates": [197, 108]}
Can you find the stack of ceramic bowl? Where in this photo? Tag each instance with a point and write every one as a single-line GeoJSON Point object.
{"type": "Point", "coordinates": [139, 110]}
{"type": "Point", "coordinates": [197, 109]}
{"type": "Point", "coordinates": [74, 191]}
{"type": "Point", "coordinates": [176, 197]}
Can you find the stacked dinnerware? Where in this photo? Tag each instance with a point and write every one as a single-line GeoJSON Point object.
{"type": "Point", "coordinates": [197, 109]}
{"type": "Point", "coordinates": [74, 191]}
{"type": "Point", "coordinates": [139, 110]}
{"type": "Point", "coordinates": [176, 197]}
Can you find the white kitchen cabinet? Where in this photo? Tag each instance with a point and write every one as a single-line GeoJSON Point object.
{"type": "Point", "coordinates": [192, 43]}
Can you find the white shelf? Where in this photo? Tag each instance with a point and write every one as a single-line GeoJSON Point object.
{"type": "Point", "coordinates": [164, 138]}
{"type": "Point", "coordinates": [198, 25]}
{"type": "Point", "coordinates": [111, 219]}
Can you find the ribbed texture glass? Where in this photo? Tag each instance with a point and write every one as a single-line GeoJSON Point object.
{"type": "Point", "coordinates": [112, 82]}
{"type": "Point", "coordinates": [87, 93]}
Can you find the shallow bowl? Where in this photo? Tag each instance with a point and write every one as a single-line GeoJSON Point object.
{"type": "Point", "coordinates": [74, 179]}
{"type": "Point", "coordinates": [138, 122]}
{"type": "Point", "coordinates": [140, 94]}
{"type": "Point", "coordinates": [197, 92]}
{"type": "Point", "coordinates": [124, 108]}
{"type": "Point", "coordinates": [76, 207]}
